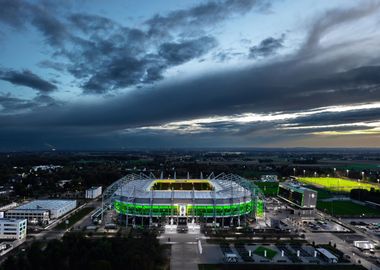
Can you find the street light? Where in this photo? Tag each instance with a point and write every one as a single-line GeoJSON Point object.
{"type": "Point", "coordinates": [362, 175]}
{"type": "Point", "coordinates": [304, 173]}
{"type": "Point", "coordinates": [294, 170]}
{"type": "Point", "coordinates": [347, 171]}
{"type": "Point", "coordinates": [334, 171]}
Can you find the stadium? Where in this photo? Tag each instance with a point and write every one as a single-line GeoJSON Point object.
{"type": "Point", "coordinates": [225, 200]}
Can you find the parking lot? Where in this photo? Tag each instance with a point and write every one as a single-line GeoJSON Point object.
{"type": "Point", "coordinates": [270, 253]}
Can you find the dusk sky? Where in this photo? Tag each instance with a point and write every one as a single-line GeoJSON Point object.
{"type": "Point", "coordinates": [96, 75]}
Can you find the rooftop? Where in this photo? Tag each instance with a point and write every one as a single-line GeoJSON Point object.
{"type": "Point", "coordinates": [296, 187]}
{"type": "Point", "coordinates": [44, 204]}
{"type": "Point", "coordinates": [221, 189]}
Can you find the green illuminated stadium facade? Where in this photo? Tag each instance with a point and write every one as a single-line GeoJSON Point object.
{"type": "Point", "coordinates": [224, 199]}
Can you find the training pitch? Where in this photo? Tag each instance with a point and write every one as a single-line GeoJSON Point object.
{"type": "Point", "coordinates": [337, 184]}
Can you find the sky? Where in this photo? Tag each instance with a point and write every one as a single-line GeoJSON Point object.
{"type": "Point", "coordinates": [122, 74]}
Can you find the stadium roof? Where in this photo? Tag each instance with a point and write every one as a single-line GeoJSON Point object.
{"type": "Point", "coordinates": [223, 189]}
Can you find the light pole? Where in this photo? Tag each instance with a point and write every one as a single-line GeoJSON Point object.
{"type": "Point", "coordinates": [347, 171]}
{"type": "Point", "coordinates": [334, 171]}
{"type": "Point", "coordinates": [378, 181]}
{"type": "Point", "coordinates": [294, 170]}
{"type": "Point", "coordinates": [304, 173]}
{"type": "Point", "coordinates": [362, 175]}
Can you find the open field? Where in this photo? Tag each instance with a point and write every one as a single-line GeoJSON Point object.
{"type": "Point", "coordinates": [323, 193]}
{"type": "Point", "coordinates": [347, 208]}
{"type": "Point", "coordinates": [337, 184]}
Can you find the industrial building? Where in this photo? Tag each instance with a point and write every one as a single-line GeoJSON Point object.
{"type": "Point", "coordinates": [93, 192]}
{"type": "Point", "coordinates": [41, 211]}
{"type": "Point", "coordinates": [297, 195]}
{"type": "Point", "coordinates": [225, 199]}
{"type": "Point", "coordinates": [12, 228]}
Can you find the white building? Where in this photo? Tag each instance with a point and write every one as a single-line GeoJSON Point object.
{"type": "Point", "coordinates": [93, 192]}
{"type": "Point", "coordinates": [12, 228]}
{"type": "Point", "coordinates": [364, 245]}
{"type": "Point", "coordinates": [42, 210]}
{"type": "Point", "coordinates": [269, 178]}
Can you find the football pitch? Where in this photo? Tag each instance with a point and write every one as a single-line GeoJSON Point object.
{"type": "Point", "coordinates": [347, 208]}
{"type": "Point", "coordinates": [337, 184]}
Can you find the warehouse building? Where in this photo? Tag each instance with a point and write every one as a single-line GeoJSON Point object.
{"type": "Point", "coordinates": [42, 211]}
{"type": "Point", "coordinates": [12, 228]}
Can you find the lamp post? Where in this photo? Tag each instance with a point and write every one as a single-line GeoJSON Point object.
{"type": "Point", "coordinates": [294, 170]}
{"type": "Point", "coordinates": [347, 171]}
{"type": "Point", "coordinates": [334, 171]}
{"type": "Point", "coordinates": [304, 173]}
{"type": "Point", "coordinates": [362, 175]}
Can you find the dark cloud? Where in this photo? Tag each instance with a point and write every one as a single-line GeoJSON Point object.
{"type": "Point", "coordinates": [207, 14]}
{"type": "Point", "coordinates": [18, 14]}
{"type": "Point", "coordinates": [176, 53]}
{"type": "Point", "coordinates": [28, 79]}
{"type": "Point", "coordinates": [13, 12]}
{"type": "Point", "coordinates": [89, 23]}
{"type": "Point", "coordinates": [11, 105]}
{"type": "Point", "coordinates": [332, 18]}
{"type": "Point", "coordinates": [267, 47]}
{"type": "Point", "coordinates": [109, 56]}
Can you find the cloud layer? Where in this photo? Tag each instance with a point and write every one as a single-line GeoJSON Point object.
{"type": "Point", "coordinates": [328, 86]}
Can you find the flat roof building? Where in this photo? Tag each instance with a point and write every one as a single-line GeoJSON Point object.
{"type": "Point", "coordinates": [42, 210]}
{"type": "Point", "coordinates": [93, 192]}
{"type": "Point", "coordinates": [297, 195]}
{"type": "Point", "coordinates": [12, 228]}
{"type": "Point", "coordinates": [327, 255]}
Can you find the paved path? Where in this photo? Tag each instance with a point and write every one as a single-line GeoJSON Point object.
{"type": "Point", "coordinates": [184, 250]}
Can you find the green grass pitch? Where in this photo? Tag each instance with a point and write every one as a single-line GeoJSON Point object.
{"type": "Point", "coordinates": [337, 184]}
{"type": "Point", "coordinates": [346, 208]}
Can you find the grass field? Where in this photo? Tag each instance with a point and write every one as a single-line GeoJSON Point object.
{"type": "Point", "coordinates": [336, 184]}
{"type": "Point", "coordinates": [268, 188]}
{"type": "Point", "coordinates": [323, 193]}
{"type": "Point", "coordinates": [260, 251]}
{"type": "Point", "coordinates": [346, 208]}
{"type": "Point", "coordinates": [74, 218]}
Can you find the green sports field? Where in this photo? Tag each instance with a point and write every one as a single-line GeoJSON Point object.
{"type": "Point", "coordinates": [268, 188]}
{"type": "Point", "coordinates": [347, 208]}
{"type": "Point", "coordinates": [336, 184]}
